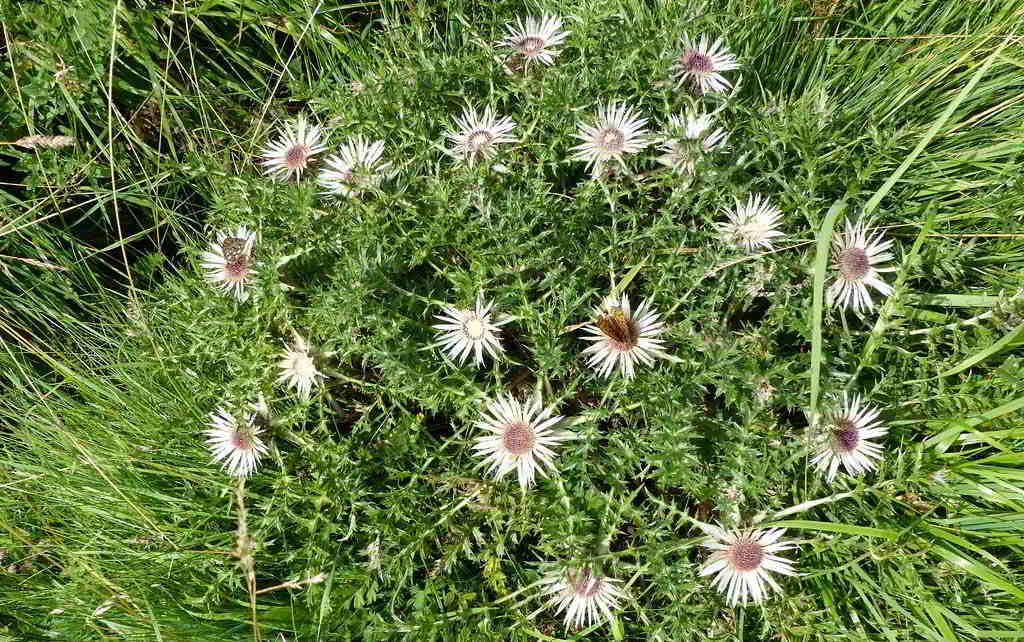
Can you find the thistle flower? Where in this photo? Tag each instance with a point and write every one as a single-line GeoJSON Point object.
{"type": "Point", "coordinates": [583, 596]}
{"type": "Point", "coordinates": [681, 153]}
{"type": "Point", "coordinates": [465, 331]}
{"type": "Point", "coordinates": [847, 439]}
{"type": "Point", "coordinates": [534, 39]}
{"type": "Point", "coordinates": [622, 338]}
{"type": "Point", "coordinates": [295, 146]}
{"type": "Point", "coordinates": [856, 257]}
{"type": "Point", "coordinates": [476, 135]}
{"type": "Point", "coordinates": [701, 65]}
{"type": "Point", "coordinates": [743, 561]}
{"type": "Point", "coordinates": [619, 131]}
{"type": "Point", "coordinates": [237, 445]}
{"type": "Point", "coordinates": [518, 436]}
{"type": "Point", "coordinates": [228, 262]}
{"type": "Point", "coordinates": [297, 367]}
{"type": "Point", "coordinates": [752, 225]}
{"type": "Point", "coordinates": [356, 168]}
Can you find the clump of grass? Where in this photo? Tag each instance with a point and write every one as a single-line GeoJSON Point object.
{"type": "Point", "coordinates": [370, 517]}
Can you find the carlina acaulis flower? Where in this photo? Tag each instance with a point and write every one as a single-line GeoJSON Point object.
{"type": "Point", "coordinates": [858, 255]}
{"type": "Point", "coordinates": [846, 438]}
{"type": "Point", "coordinates": [742, 562]}
{"type": "Point", "coordinates": [235, 443]}
{"type": "Point", "coordinates": [228, 263]}
{"type": "Point", "coordinates": [535, 39]}
{"type": "Point", "coordinates": [519, 436]}
{"type": "Point", "coordinates": [475, 331]}
{"type": "Point", "coordinates": [584, 595]}
{"type": "Point", "coordinates": [476, 135]}
{"type": "Point", "coordinates": [295, 146]}
{"type": "Point", "coordinates": [621, 337]}
{"type": "Point", "coordinates": [701, 64]}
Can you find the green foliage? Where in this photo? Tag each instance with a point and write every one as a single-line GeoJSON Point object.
{"type": "Point", "coordinates": [113, 523]}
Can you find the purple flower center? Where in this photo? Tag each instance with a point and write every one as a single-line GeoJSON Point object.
{"type": "Point", "coordinates": [531, 45]}
{"type": "Point", "coordinates": [847, 435]}
{"type": "Point", "coordinates": [745, 554]}
{"type": "Point", "coordinates": [240, 440]}
{"type": "Point", "coordinates": [479, 139]}
{"type": "Point", "coordinates": [697, 63]}
{"type": "Point", "coordinates": [611, 140]}
{"type": "Point", "coordinates": [854, 263]}
{"type": "Point", "coordinates": [295, 157]}
{"type": "Point", "coordinates": [518, 438]}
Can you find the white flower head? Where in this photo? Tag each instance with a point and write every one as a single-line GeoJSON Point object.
{"type": "Point", "coordinates": [743, 561]}
{"type": "Point", "coordinates": [228, 263]}
{"type": "Point", "coordinates": [476, 330]}
{"type": "Point", "coordinates": [298, 370]}
{"type": "Point", "coordinates": [857, 256]}
{"type": "Point", "coordinates": [583, 595]}
{"type": "Point", "coordinates": [701, 64]}
{"type": "Point", "coordinates": [535, 39]}
{"type": "Point", "coordinates": [622, 337]}
{"type": "Point", "coordinates": [519, 436]}
{"type": "Point", "coordinates": [696, 137]}
{"type": "Point", "coordinates": [619, 130]}
{"type": "Point", "coordinates": [847, 439]}
{"type": "Point", "coordinates": [475, 135]}
{"type": "Point", "coordinates": [238, 446]}
{"type": "Point", "coordinates": [291, 152]}
{"type": "Point", "coordinates": [751, 225]}
{"type": "Point", "coordinates": [355, 169]}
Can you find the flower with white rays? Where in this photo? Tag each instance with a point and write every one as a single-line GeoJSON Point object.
{"type": "Point", "coordinates": [356, 168]}
{"type": "Point", "coordinates": [297, 367]}
{"type": "Point", "coordinates": [519, 436]}
{"type": "Point", "coordinates": [619, 130]}
{"type": "Point", "coordinates": [856, 257]}
{"type": "Point", "coordinates": [752, 225]}
{"type": "Point", "coordinates": [238, 446]}
{"type": "Point", "coordinates": [743, 561]}
{"type": "Point", "coordinates": [701, 64]}
{"type": "Point", "coordinates": [622, 337]}
{"type": "Point", "coordinates": [475, 135]}
{"type": "Point", "coordinates": [584, 596]}
{"type": "Point", "coordinates": [476, 330]}
{"type": "Point", "coordinates": [847, 439]}
{"type": "Point", "coordinates": [534, 39]}
{"type": "Point", "coordinates": [228, 262]}
{"type": "Point", "coordinates": [696, 138]}
{"type": "Point", "coordinates": [294, 147]}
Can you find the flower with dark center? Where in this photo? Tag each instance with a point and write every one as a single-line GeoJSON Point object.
{"type": "Point", "coordinates": [690, 136]}
{"type": "Point", "coordinates": [294, 148]}
{"type": "Point", "coordinates": [846, 439]}
{"type": "Point", "coordinates": [582, 595]}
{"type": "Point", "coordinates": [237, 445]}
{"type": "Point", "coordinates": [701, 64]}
{"type": "Point", "coordinates": [742, 562]}
{"type": "Point", "coordinates": [857, 258]}
{"type": "Point", "coordinates": [472, 331]}
{"type": "Point", "coordinates": [228, 262]}
{"type": "Point", "coordinates": [355, 169]}
{"type": "Point", "coordinates": [619, 130]}
{"type": "Point", "coordinates": [752, 225]}
{"type": "Point", "coordinates": [535, 39]}
{"type": "Point", "coordinates": [519, 436]}
{"type": "Point", "coordinates": [475, 135]}
{"type": "Point", "coordinates": [621, 337]}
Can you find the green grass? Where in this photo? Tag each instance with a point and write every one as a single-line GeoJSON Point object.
{"type": "Point", "coordinates": [113, 523]}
